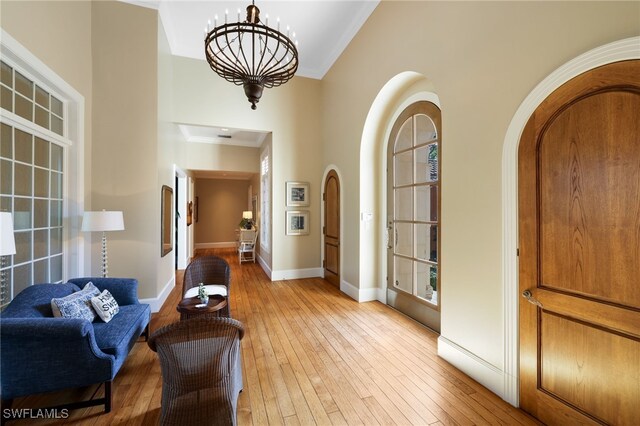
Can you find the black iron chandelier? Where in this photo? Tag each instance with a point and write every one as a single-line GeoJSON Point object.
{"type": "Point", "coordinates": [251, 54]}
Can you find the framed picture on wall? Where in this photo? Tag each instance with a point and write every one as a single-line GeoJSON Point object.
{"type": "Point", "coordinates": [297, 222]}
{"type": "Point", "coordinates": [297, 194]}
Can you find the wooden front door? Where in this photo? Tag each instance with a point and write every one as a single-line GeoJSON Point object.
{"type": "Point", "coordinates": [579, 231]}
{"type": "Point", "coordinates": [331, 228]}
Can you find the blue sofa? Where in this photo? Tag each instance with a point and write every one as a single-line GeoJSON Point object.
{"type": "Point", "coordinates": [40, 353]}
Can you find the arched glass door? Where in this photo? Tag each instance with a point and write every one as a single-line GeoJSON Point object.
{"type": "Point", "coordinates": [413, 213]}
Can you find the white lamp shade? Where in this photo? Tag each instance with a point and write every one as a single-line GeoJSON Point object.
{"type": "Point", "coordinates": [247, 214]}
{"type": "Point", "coordinates": [102, 221]}
{"type": "Point", "coordinates": [7, 242]}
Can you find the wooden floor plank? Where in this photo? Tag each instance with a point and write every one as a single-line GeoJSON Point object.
{"type": "Point", "coordinates": [310, 355]}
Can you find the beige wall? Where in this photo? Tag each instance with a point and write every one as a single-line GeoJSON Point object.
{"type": "Point", "coordinates": [206, 156]}
{"type": "Point", "coordinates": [125, 131]}
{"type": "Point", "coordinates": [483, 59]}
{"type": "Point", "coordinates": [220, 206]}
{"type": "Point", "coordinates": [292, 113]}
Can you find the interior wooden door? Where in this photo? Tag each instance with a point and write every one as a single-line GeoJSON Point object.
{"type": "Point", "coordinates": [331, 228]}
{"type": "Point", "coordinates": [579, 231]}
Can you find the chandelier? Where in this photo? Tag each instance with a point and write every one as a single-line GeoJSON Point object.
{"type": "Point", "coordinates": [251, 54]}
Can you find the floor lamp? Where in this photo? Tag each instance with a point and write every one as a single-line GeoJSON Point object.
{"type": "Point", "coordinates": [103, 221]}
{"type": "Point", "coordinates": [7, 248]}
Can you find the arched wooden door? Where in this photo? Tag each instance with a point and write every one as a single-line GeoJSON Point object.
{"type": "Point", "coordinates": [579, 237]}
{"type": "Point", "coordinates": [331, 228]}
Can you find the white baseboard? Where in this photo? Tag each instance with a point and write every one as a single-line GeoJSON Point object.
{"type": "Point", "coordinates": [473, 366]}
{"type": "Point", "coordinates": [264, 265]}
{"type": "Point", "coordinates": [228, 244]}
{"type": "Point", "coordinates": [294, 274]}
{"type": "Point", "coordinates": [156, 302]}
{"type": "Point", "coordinates": [357, 294]}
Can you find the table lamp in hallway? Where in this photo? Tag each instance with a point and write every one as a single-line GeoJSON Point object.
{"type": "Point", "coordinates": [103, 221]}
{"type": "Point", "coordinates": [248, 216]}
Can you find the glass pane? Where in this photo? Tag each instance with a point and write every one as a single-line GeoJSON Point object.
{"type": "Point", "coordinates": [56, 125]}
{"type": "Point", "coordinates": [56, 213]}
{"type": "Point", "coordinates": [6, 141]}
{"type": "Point", "coordinates": [40, 243]}
{"type": "Point", "coordinates": [56, 241]}
{"type": "Point", "coordinates": [23, 179]}
{"type": "Point", "coordinates": [22, 215]}
{"type": "Point", "coordinates": [41, 182]}
{"type": "Point", "coordinates": [5, 204]}
{"type": "Point", "coordinates": [24, 147]}
{"type": "Point", "coordinates": [56, 269]}
{"type": "Point", "coordinates": [22, 277]}
{"type": "Point", "coordinates": [6, 177]}
{"type": "Point", "coordinates": [404, 239]}
{"type": "Point", "coordinates": [41, 271]}
{"type": "Point", "coordinates": [427, 282]}
{"type": "Point", "coordinates": [56, 185]}
{"type": "Point", "coordinates": [56, 106]}
{"type": "Point", "coordinates": [404, 203]}
{"type": "Point", "coordinates": [427, 163]}
{"type": "Point", "coordinates": [41, 213]}
{"type": "Point", "coordinates": [42, 117]}
{"type": "Point", "coordinates": [425, 129]}
{"type": "Point", "coordinates": [6, 100]}
{"type": "Point", "coordinates": [56, 157]}
{"type": "Point", "coordinates": [403, 168]}
{"type": "Point", "coordinates": [42, 97]}
{"type": "Point", "coordinates": [41, 157]}
{"type": "Point", "coordinates": [24, 108]}
{"type": "Point", "coordinates": [403, 269]}
{"type": "Point", "coordinates": [426, 242]}
{"type": "Point", "coordinates": [7, 75]}
{"type": "Point", "coordinates": [404, 140]}
{"type": "Point", "coordinates": [427, 203]}
{"type": "Point", "coordinates": [24, 86]}
{"type": "Point", "coordinates": [23, 247]}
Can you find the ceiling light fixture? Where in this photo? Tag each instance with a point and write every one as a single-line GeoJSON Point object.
{"type": "Point", "coordinates": [250, 53]}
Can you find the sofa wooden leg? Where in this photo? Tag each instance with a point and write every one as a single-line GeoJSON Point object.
{"type": "Point", "coordinates": [145, 333]}
{"type": "Point", "coordinates": [107, 396]}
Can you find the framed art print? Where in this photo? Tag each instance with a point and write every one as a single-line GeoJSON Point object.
{"type": "Point", "coordinates": [297, 194]}
{"type": "Point", "coordinates": [297, 222]}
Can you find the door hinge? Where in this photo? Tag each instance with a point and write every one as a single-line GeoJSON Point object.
{"type": "Point", "coordinates": [518, 252]}
{"type": "Point", "coordinates": [324, 197]}
{"type": "Point", "coordinates": [324, 263]}
{"type": "Point", "coordinates": [324, 230]}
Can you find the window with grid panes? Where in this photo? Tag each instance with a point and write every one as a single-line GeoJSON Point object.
{"type": "Point", "coordinates": [31, 180]}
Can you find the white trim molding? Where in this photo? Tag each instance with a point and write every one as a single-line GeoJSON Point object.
{"type": "Point", "coordinates": [359, 294]}
{"type": "Point", "coordinates": [622, 50]}
{"type": "Point", "coordinates": [294, 274]}
{"type": "Point", "coordinates": [264, 265]}
{"type": "Point", "coordinates": [484, 373]}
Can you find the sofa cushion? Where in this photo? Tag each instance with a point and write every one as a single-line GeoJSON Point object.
{"type": "Point", "coordinates": [35, 301]}
{"type": "Point", "coordinates": [76, 305]}
{"type": "Point", "coordinates": [117, 336]}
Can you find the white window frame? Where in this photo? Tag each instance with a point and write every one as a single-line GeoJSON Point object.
{"type": "Point", "coordinates": [21, 59]}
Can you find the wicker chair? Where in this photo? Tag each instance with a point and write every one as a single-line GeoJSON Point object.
{"type": "Point", "coordinates": [209, 270]}
{"type": "Point", "coordinates": [201, 371]}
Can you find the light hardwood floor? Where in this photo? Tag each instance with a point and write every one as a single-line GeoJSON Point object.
{"type": "Point", "coordinates": [311, 355]}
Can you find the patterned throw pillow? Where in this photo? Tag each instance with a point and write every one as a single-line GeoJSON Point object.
{"type": "Point", "coordinates": [76, 305]}
{"type": "Point", "coordinates": [105, 305]}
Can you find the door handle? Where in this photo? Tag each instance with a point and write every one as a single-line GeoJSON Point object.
{"type": "Point", "coordinates": [527, 295]}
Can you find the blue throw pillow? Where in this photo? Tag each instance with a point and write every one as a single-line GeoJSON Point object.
{"type": "Point", "coordinates": [76, 305]}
